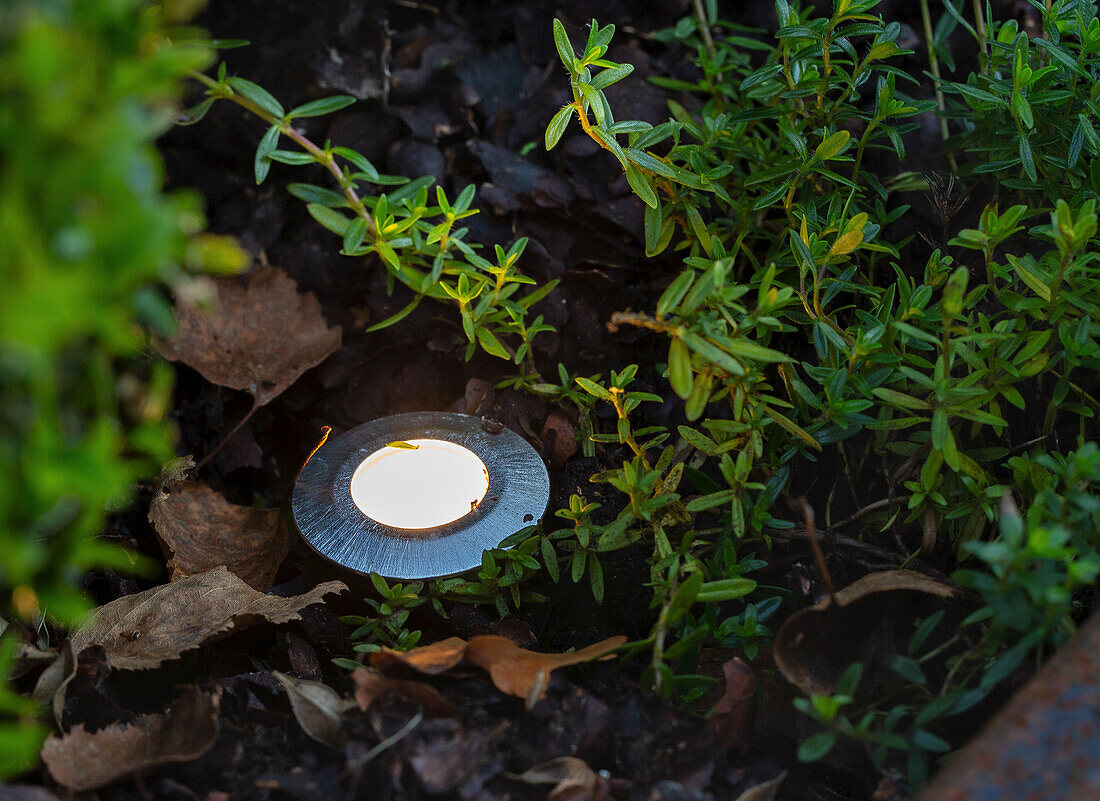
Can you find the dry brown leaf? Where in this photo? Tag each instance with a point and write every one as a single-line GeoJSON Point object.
{"type": "Point", "coordinates": [82, 760]}
{"type": "Point", "coordinates": [814, 645]}
{"type": "Point", "coordinates": [523, 673]}
{"type": "Point", "coordinates": [765, 791]}
{"type": "Point", "coordinates": [572, 778]}
{"type": "Point", "coordinates": [514, 670]}
{"type": "Point", "coordinates": [259, 337]}
{"type": "Point", "coordinates": [147, 628]}
{"type": "Point", "coordinates": [439, 657]}
{"type": "Point", "coordinates": [371, 685]}
{"type": "Point", "coordinates": [733, 715]}
{"type": "Point", "coordinates": [318, 708]}
{"type": "Point", "coordinates": [201, 530]}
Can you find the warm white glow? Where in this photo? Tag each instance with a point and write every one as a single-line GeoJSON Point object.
{"type": "Point", "coordinates": [434, 484]}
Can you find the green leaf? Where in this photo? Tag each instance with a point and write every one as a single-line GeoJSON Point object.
{"type": "Point", "coordinates": [490, 344]}
{"type": "Point", "coordinates": [713, 353]}
{"type": "Point", "coordinates": [558, 125]}
{"type": "Point", "coordinates": [317, 108]}
{"type": "Point", "coordinates": [565, 49]}
{"type": "Point", "coordinates": [750, 350]}
{"type": "Point", "coordinates": [330, 219]}
{"type": "Point", "coordinates": [650, 162]}
{"type": "Point", "coordinates": [679, 368]}
{"type": "Point", "coordinates": [1026, 158]}
{"type": "Point", "coordinates": [292, 157]}
{"type": "Point", "coordinates": [675, 292]}
{"type": "Point", "coordinates": [358, 160]}
{"type": "Point", "coordinates": [816, 746]}
{"type": "Point", "coordinates": [397, 317]}
{"type": "Point", "coordinates": [354, 235]}
{"type": "Point", "coordinates": [595, 577]}
{"type": "Point", "coordinates": [900, 398]}
{"type": "Point", "coordinates": [257, 94]}
{"type": "Point", "coordinates": [592, 388]}
{"type": "Point", "coordinates": [684, 598]}
{"type": "Point", "coordinates": [832, 146]}
{"type": "Point", "coordinates": [263, 153]}
{"type": "Point", "coordinates": [317, 194]}
{"type": "Point", "coordinates": [641, 186]}
{"type": "Point", "coordinates": [610, 76]}
{"type": "Point", "coordinates": [195, 113]}
{"type": "Point", "coordinates": [725, 590]}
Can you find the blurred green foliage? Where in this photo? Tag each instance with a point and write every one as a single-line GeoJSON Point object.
{"type": "Point", "coordinates": [87, 236]}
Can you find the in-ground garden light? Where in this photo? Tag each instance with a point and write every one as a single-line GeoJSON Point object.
{"type": "Point", "coordinates": [425, 506]}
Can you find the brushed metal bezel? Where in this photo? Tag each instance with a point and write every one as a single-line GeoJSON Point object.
{"type": "Point", "coordinates": [333, 526]}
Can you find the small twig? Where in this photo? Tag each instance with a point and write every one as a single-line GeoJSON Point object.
{"type": "Point", "coordinates": [232, 431]}
{"type": "Point", "coordinates": [840, 542]}
{"type": "Point", "coordinates": [811, 534]}
{"type": "Point", "coordinates": [866, 510]}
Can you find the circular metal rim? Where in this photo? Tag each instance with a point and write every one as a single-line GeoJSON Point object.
{"type": "Point", "coordinates": [333, 526]}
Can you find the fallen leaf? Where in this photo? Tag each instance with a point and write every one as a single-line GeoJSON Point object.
{"type": "Point", "coordinates": [259, 337]}
{"type": "Point", "coordinates": [371, 686]}
{"type": "Point", "coordinates": [526, 674]}
{"type": "Point", "coordinates": [815, 645]}
{"type": "Point", "coordinates": [51, 683]}
{"type": "Point", "coordinates": [732, 717]}
{"type": "Point", "coordinates": [439, 657]}
{"type": "Point", "coordinates": [147, 628]}
{"type": "Point", "coordinates": [29, 657]}
{"type": "Point", "coordinates": [318, 708]}
{"type": "Point", "coordinates": [559, 439]}
{"type": "Point", "coordinates": [572, 778]}
{"type": "Point", "coordinates": [514, 670]}
{"type": "Point", "coordinates": [765, 791]}
{"type": "Point", "coordinates": [82, 760]}
{"type": "Point", "coordinates": [201, 530]}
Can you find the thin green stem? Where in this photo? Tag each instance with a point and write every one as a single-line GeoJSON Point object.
{"type": "Point", "coordinates": [322, 157]}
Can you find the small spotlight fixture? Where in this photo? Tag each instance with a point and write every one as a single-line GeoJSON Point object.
{"type": "Point", "coordinates": [419, 495]}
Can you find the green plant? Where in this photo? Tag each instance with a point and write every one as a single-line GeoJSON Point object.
{"type": "Point", "coordinates": [908, 377]}
{"type": "Point", "coordinates": [386, 628]}
{"type": "Point", "coordinates": [1034, 568]}
{"type": "Point", "coordinates": [87, 238]}
{"type": "Point", "coordinates": [1030, 112]}
{"type": "Point", "coordinates": [420, 242]}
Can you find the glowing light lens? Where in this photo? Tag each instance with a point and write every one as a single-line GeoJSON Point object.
{"type": "Point", "coordinates": [435, 483]}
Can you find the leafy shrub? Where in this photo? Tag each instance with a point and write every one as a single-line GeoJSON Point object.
{"type": "Point", "coordinates": [801, 334]}
{"type": "Point", "coordinates": [87, 236]}
{"type": "Point", "coordinates": [919, 372]}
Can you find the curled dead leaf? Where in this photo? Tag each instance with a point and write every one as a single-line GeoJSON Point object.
{"type": "Point", "coordinates": [765, 791]}
{"type": "Point", "coordinates": [439, 657]}
{"type": "Point", "coordinates": [318, 708]}
{"type": "Point", "coordinates": [572, 778]}
{"type": "Point", "coordinates": [143, 630]}
{"type": "Point", "coordinates": [371, 685]}
{"type": "Point", "coordinates": [732, 717]}
{"type": "Point", "coordinates": [201, 530]}
{"type": "Point", "coordinates": [259, 337]}
{"type": "Point", "coordinates": [514, 670]}
{"type": "Point", "coordinates": [82, 760]}
{"type": "Point", "coordinates": [814, 645]}
{"type": "Point", "coordinates": [526, 674]}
